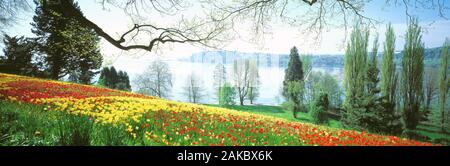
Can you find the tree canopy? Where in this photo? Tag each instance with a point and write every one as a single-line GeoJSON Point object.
{"type": "Point", "coordinates": [219, 17]}
{"type": "Point", "coordinates": [69, 46]}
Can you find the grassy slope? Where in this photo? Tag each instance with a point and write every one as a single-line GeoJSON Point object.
{"type": "Point", "coordinates": [52, 128]}
{"type": "Point", "coordinates": [432, 132]}
{"type": "Point", "coordinates": [30, 125]}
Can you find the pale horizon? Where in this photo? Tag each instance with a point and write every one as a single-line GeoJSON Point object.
{"type": "Point", "coordinates": [279, 40]}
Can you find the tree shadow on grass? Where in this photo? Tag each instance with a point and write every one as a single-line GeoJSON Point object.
{"type": "Point", "coordinates": [257, 108]}
{"type": "Point", "coordinates": [420, 128]}
{"type": "Point", "coordinates": [303, 119]}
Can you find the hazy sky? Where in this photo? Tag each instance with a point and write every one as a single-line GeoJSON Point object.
{"type": "Point", "coordinates": [282, 38]}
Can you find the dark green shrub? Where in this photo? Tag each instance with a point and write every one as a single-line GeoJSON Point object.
{"type": "Point", "coordinates": [295, 89]}
{"type": "Point", "coordinates": [319, 109]}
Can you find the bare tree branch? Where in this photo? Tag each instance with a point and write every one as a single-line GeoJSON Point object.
{"type": "Point", "coordinates": [196, 32]}
{"type": "Point", "coordinates": [209, 31]}
{"type": "Point", "coordinates": [10, 10]}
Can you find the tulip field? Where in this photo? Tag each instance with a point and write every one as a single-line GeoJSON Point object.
{"type": "Point", "coordinates": [125, 118]}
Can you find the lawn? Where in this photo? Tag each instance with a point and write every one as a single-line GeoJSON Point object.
{"type": "Point", "coordinates": [277, 111]}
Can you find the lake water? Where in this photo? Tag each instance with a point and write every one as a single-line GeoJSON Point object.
{"type": "Point", "coordinates": [271, 78]}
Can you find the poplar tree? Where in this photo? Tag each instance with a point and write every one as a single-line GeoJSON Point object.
{"type": "Point", "coordinates": [355, 70]}
{"type": "Point", "coordinates": [444, 81]}
{"type": "Point", "coordinates": [380, 115]}
{"type": "Point", "coordinates": [412, 75]}
{"type": "Point", "coordinates": [365, 108]}
{"type": "Point", "coordinates": [372, 70]}
{"type": "Point", "coordinates": [388, 73]}
{"type": "Point", "coordinates": [355, 59]}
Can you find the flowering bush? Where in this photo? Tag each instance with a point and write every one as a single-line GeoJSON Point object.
{"type": "Point", "coordinates": [152, 120]}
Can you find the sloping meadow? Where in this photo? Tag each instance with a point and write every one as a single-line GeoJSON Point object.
{"type": "Point", "coordinates": [153, 121]}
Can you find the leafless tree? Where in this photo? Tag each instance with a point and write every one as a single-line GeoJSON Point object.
{"type": "Point", "coordinates": [197, 30]}
{"type": "Point", "coordinates": [193, 89]}
{"type": "Point", "coordinates": [254, 83]}
{"type": "Point", "coordinates": [241, 78]}
{"type": "Point", "coordinates": [220, 78]}
{"type": "Point", "coordinates": [10, 10]}
{"type": "Point", "coordinates": [438, 5]}
{"type": "Point", "coordinates": [218, 17]}
{"type": "Point", "coordinates": [156, 80]}
{"type": "Point", "coordinates": [311, 16]}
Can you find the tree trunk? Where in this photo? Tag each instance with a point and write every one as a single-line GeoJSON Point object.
{"type": "Point", "coordinates": [443, 121]}
{"type": "Point", "coordinates": [55, 72]}
{"type": "Point", "coordinates": [426, 111]}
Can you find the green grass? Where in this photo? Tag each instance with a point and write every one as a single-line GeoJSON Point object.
{"type": "Point", "coordinates": [26, 124]}
{"type": "Point", "coordinates": [30, 125]}
{"type": "Point", "coordinates": [433, 132]}
{"type": "Point", "coordinates": [277, 111]}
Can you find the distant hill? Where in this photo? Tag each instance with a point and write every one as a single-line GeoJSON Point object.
{"type": "Point", "coordinates": [431, 58]}
{"type": "Point", "coordinates": [280, 60]}
{"type": "Point", "coordinates": [430, 53]}
{"type": "Point", "coordinates": [263, 59]}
